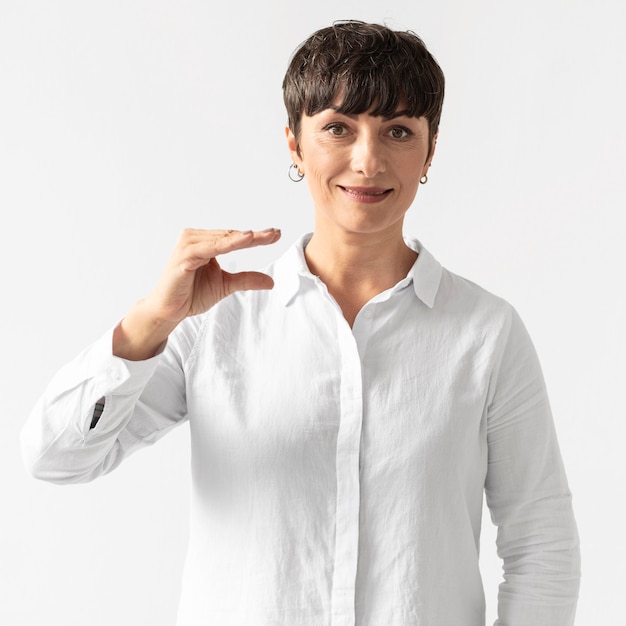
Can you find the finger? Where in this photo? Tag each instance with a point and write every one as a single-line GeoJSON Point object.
{"type": "Point", "coordinates": [223, 237]}
{"type": "Point", "coordinates": [239, 240]}
{"type": "Point", "coordinates": [246, 281]}
{"type": "Point", "coordinates": [208, 244]}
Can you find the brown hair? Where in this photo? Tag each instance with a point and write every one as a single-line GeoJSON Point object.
{"type": "Point", "coordinates": [372, 68]}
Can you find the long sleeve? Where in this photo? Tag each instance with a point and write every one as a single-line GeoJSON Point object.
{"type": "Point", "coordinates": [528, 494]}
{"type": "Point", "coordinates": [142, 401]}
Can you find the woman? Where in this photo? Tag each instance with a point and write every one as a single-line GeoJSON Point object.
{"type": "Point", "coordinates": [349, 408]}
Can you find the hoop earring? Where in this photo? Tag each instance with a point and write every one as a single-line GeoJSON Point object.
{"type": "Point", "coordinates": [424, 179]}
{"type": "Point", "coordinates": [295, 175]}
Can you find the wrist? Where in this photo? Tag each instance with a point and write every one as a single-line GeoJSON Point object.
{"type": "Point", "coordinates": [141, 333]}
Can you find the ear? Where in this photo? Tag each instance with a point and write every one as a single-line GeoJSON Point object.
{"type": "Point", "coordinates": [292, 144]}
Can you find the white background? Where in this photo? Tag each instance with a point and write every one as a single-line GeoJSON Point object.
{"type": "Point", "coordinates": [122, 122]}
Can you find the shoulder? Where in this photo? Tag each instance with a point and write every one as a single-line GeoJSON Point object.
{"type": "Point", "coordinates": [458, 291]}
{"type": "Point", "coordinates": [465, 297]}
{"type": "Point", "coordinates": [449, 293]}
{"type": "Point", "coordinates": [459, 304]}
{"type": "Point", "coordinates": [485, 313]}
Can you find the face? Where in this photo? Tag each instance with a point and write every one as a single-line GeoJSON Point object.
{"type": "Point", "coordinates": [363, 171]}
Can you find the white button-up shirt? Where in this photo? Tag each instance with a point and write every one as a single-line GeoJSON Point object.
{"type": "Point", "coordinates": [338, 473]}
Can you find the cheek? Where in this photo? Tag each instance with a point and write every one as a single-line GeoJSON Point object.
{"type": "Point", "coordinates": [410, 171]}
{"type": "Point", "coordinates": [319, 168]}
{"type": "Point", "coordinates": [318, 183]}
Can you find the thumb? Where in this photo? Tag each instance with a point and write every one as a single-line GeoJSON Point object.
{"type": "Point", "coordinates": [244, 281]}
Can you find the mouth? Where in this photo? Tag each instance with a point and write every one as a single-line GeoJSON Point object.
{"type": "Point", "coordinates": [366, 194]}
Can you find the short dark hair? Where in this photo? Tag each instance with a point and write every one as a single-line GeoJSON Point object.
{"type": "Point", "coordinates": [372, 68]}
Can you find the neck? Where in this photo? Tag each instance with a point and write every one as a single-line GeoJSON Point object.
{"type": "Point", "coordinates": [357, 267]}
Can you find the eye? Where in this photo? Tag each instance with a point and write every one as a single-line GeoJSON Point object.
{"type": "Point", "coordinates": [336, 129]}
{"type": "Point", "coordinates": [400, 132]}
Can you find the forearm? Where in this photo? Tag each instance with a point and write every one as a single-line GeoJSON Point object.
{"type": "Point", "coordinates": [58, 441]}
{"type": "Point", "coordinates": [541, 560]}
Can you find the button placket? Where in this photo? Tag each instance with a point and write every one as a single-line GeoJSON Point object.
{"type": "Point", "coordinates": [352, 343]}
{"type": "Point", "coordinates": [348, 488]}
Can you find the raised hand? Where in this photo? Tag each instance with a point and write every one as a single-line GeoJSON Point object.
{"type": "Point", "coordinates": [192, 283]}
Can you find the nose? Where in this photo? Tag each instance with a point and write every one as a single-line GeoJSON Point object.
{"type": "Point", "coordinates": [368, 158]}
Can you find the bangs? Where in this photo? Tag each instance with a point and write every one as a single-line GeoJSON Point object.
{"type": "Point", "coordinates": [382, 88]}
{"type": "Point", "coordinates": [358, 94]}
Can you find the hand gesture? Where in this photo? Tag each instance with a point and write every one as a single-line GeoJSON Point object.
{"type": "Point", "coordinates": [192, 283]}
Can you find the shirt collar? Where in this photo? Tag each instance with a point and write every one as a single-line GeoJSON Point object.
{"type": "Point", "coordinates": [291, 268]}
{"type": "Point", "coordinates": [426, 273]}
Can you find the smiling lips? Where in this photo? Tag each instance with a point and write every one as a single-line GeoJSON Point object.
{"type": "Point", "coordinates": [366, 194]}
